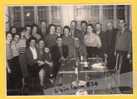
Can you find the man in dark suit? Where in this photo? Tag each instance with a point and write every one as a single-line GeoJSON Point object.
{"type": "Point", "coordinates": [76, 32]}
{"type": "Point", "coordinates": [102, 36]}
{"type": "Point", "coordinates": [31, 56]}
{"type": "Point", "coordinates": [110, 45]}
{"type": "Point", "coordinates": [59, 54]}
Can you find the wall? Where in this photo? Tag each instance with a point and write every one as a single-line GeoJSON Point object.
{"type": "Point", "coordinates": [62, 15]}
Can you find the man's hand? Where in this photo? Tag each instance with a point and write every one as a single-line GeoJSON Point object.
{"type": "Point", "coordinates": [40, 62]}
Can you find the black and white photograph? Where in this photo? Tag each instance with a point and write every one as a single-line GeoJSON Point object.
{"type": "Point", "coordinates": [68, 50]}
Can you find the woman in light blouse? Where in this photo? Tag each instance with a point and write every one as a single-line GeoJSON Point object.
{"type": "Point", "coordinates": [9, 61]}
{"type": "Point", "coordinates": [92, 41]}
{"type": "Point", "coordinates": [16, 75]}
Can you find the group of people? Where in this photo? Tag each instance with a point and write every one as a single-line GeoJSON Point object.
{"type": "Point", "coordinates": [34, 57]}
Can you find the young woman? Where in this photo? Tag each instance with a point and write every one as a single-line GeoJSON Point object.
{"type": "Point", "coordinates": [68, 40]}
{"type": "Point", "coordinates": [50, 39]}
{"type": "Point", "coordinates": [16, 70]}
{"type": "Point", "coordinates": [9, 62]}
{"type": "Point", "coordinates": [13, 30]}
{"type": "Point", "coordinates": [59, 30]}
{"type": "Point", "coordinates": [92, 41]}
{"type": "Point", "coordinates": [45, 62]}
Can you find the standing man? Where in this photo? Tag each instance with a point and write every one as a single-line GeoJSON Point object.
{"type": "Point", "coordinates": [59, 53]}
{"type": "Point", "coordinates": [43, 28]}
{"type": "Point", "coordinates": [74, 31]}
{"type": "Point", "coordinates": [84, 27]}
{"type": "Point", "coordinates": [101, 34]}
{"type": "Point", "coordinates": [31, 56]}
{"type": "Point", "coordinates": [122, 46]}
{"type": "Point", "coordinates": [109, 48]}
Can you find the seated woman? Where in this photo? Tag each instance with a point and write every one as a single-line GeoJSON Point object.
{"type": "Point", "coordinates": [45, 63]}
{"type": "Point", "coordinates": [92, 41]}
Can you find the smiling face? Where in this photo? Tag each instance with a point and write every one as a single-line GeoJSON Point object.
{"type": "Point", "coordinates": [32, 43]}
{"type": "Point", "coordinates": [9, 37]}
{"type": "Point", "coordinates": [28, 29]}
{"type": "Point", "coordinates": [66, 31]}
{"type": "Point", "coordinates": [52, 30]}
{"type": "Point", "coordinates": [89, 29]}
{"type": "Point", "coordinates": [13, 30]}
{"type": "Point", "coordinates": [16, 37]}
{"type": "Point", "coordinates": [73, 25]}
{"type": "Point", "coordinates": [109, 26]}
{"type": "Point", "coordinates": [34, 30]}
{"type": "Point", "coordinates": [46, 50]}
{"type": "Point", "coordinates": [59, 29]}
{"type": "Point", "coordinates": [41, 44]}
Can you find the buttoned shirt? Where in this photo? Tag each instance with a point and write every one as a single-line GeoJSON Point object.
{"type": "Point", "coordinates": [34, 53]}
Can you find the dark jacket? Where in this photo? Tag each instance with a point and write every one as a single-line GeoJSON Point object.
{"type": "Point", "coordinates": [56, 55]}
{"type": "Point", "coordinates": [32, 65]}
{"type": "Point", "coordinates": [110, 39]}
{"type": "Point", "coordinates": [123, 41]}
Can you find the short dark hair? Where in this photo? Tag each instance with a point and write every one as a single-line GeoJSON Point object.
{"type": "Point", "coordinates": [99, 23]}
{"type": "Point", "coordinates": [51, 26]}
{"type": "Point", "coordinates": [91, 25]}
{"type": "Point", "coordinates": [8, 33]}
{"type": "Point", "coordinates": [28, 26]}
{"type": "Point", "coordinates": [66, 27]}
{"type": "Point", "coordinates": [58, 37]}
{"type": "Point", "coordinates": [74, 21]}
{"type": "Point", "coordinates": [41, 40]}
{"type": "Point", "coordinates": [13, 27]}
{"type": "Point", "coordinates": [83, 21]}
{"type": "Point", "coordinates": [29, 40]}
{"type": "Point", "coordinates": [16, 34]}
